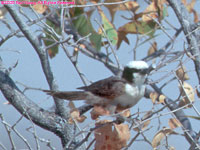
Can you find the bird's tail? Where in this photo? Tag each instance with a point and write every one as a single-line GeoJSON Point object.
{"type": "Point", "coordinates": [68, 95]}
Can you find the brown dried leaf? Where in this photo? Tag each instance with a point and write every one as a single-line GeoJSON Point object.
{"type": "Point", "coordinates": [153, 96]}
{"type": "Point", "coordinates": [94, 1]}
{"type": "Point", "coordinates": [187, 93]}
{"type": "Point", "coordinates": [153, 48]}
{"type": "Point", "coordinates": [150, 12]}
{"type": "Point", "coordinates": [80, 2]}
{"type": "Point", "coordinates": [171, 148]}
{"type": "Point", "coordinates": [162, 99]}
{"type": "Point", "coordinates": [174, 123]}
{"type": "Point", "coordinates": [82, 45]}
{"type": "Point", "coordinates": [153, 11]}
{"type": "Point", "coordinates": [40, 8]}
{"type": "Point", "coordinates": [198, 93]}
{"type": "Point", "coordinates": [125, 6]}
{"type": "Point", "coordinates": [129, 6]}
{"type": "Point", "coordinates": [196, 17]}
{"type": "Point", "coordinates": [190, 6]}
{"type": "Point", "coordinates": [146, 123]}
{"type": "Point", "coordinates": [122, 36]}
{"type": "Point", "coordinates": [182, 73]}
{"type": "Point", "coordinates": [160, 136]}
{"type": "Point", "coordinates": [98, 111]}
{"type": "Point", "coordinates": [126, 113]}
{"type": "Point", "coordinates": [112, 8]}
{"type": "Point", "coordinates": [184, 2]}
{"type": "Point", "coordinates": [75, 115]}
{"type": "Point", "coordinates": [3, 11]}
{"type": "Point", "coordinates": [108, 138]}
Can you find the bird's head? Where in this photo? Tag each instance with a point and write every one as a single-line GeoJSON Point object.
{"type": "Point", "coordinates": [136, 72]}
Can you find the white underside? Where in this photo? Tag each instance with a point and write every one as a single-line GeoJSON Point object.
{"type": "Point", "coordinates": [132, 96]}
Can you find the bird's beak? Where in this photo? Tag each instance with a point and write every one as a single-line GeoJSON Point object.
{"type": "Point", "coordinates": [148, 70]}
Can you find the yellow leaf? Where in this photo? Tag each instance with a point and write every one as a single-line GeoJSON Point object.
{"type": "Point", "coordinates": [190, 6]}
{"type": "Point", "coordinates": [112, 8]}
{"type": "Point", "coordinates": [184, 2]}
{"type": "Point", "coordinates": [40, 8]}
{"type": "Point", "coordinates": [161, 135]}
{"type": "Point", "coordinates": [129, 6]}
{"type": "Point", "coordinates": [187, 93]}
{"type": "Point", "coordinates": [126, 113]}
{"type": "Point", "coordinates": [3, 11]}
{"type": "Point", "coordinates": [154, 11]}
{"type": "Point", "coordinates": [182, 74]}
{"type": "Point", "coordinates": [153, 48]}
{"type": "Point", "coordinates": [150, 12]}
{"type": "Point", "coordinates": [75, 115]}
{"type": "Point", "coordinates": [146, 123]}
{"type": "Point", "coordinates": [162, 99]}
{"type": "Point", "coordinates": [174, 123]}
{"type": "Point", "coordinates": [124, 6]}
{"type": "Point", "coordinates": [153, 96]}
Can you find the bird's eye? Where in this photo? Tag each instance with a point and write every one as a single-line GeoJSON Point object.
{"type": "Point", "coordinates": [135, 70]}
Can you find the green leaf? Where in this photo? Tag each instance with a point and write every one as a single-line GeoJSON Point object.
{"type": "Point", "coordinates": [96, 40]}
{"type": "Point", "coordinates": [165, 12]}
{"type": "Point", "coordinates": [82, 25]}
{"type": "Point", "coordinates": [84, 28]}
{"type": "Point", "coordinates": [137, 27]}
{"type": "Point", "coordinates": [109, 29]}
{"type": "Point", "coordinates": [53, 50]}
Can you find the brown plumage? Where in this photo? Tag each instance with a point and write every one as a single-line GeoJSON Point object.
{"type": "Point", "coordinates": [96, 93]}
{"type": "Point", "coordinates": [113, 92]}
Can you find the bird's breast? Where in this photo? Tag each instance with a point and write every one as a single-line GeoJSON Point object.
{"type": "Point", "coordinates": [130, 97]}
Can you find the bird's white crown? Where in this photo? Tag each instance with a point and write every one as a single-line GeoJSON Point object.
{"type": "Point", "coordinates": [137, 65]}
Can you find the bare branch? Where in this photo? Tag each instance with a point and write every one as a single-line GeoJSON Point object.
{"type": "Point", "coordinates": [192, 36]}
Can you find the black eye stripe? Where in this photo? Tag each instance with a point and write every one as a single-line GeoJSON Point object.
{"type": "Point", "coordinates": [135, 70]}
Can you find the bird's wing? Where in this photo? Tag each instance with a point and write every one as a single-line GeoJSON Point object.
{"type": "Point", "coordinates": [68, 95]}
{"type": "Point", "coordinates": [108, 88]}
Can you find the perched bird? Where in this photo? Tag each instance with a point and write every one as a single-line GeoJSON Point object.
{"type": "Point", "coordinates": [113, 93]}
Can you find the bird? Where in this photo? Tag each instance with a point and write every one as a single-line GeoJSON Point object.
{"type": "Point", "coordinates": [115, 93]}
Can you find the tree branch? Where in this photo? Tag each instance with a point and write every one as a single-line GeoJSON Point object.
{"type": "Point", "coordinates": [60, 107]}
{"type": "Point", "coordinates": [89, 50]}
{"type": "Point", "coordinates": [180, 115]}
{"type": "Point", "coordinates": [192, 36]}
{"type": "Point", "coordinates": [47, 120]}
